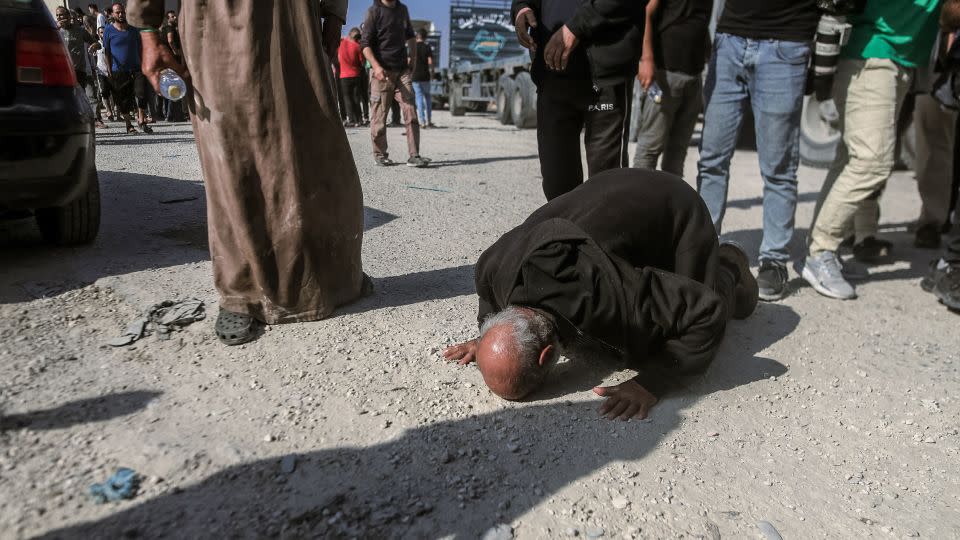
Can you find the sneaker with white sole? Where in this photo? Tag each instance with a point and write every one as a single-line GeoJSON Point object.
{"type": "Point", "coordinates": [824, 272]}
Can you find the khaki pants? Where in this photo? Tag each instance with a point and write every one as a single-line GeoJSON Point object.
{"type": "Point", "coordinates": [396, 85]}
{"type": "Point", "coordinates": [284, 203]}
{"type": "Point", "coordinates": [868, 94]}
{"type": "Point", "coordinates": [934, 130]}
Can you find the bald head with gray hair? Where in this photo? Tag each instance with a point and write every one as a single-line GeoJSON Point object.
{"type": "Point", "coordinates": [517, 348]}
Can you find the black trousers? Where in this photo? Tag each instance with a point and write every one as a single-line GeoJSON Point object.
{"type": "Point", "coordinates": [951, 251]}
{"type": "Point", "coordinates": [565, 108]}
{"type": "Point", "coordinates": [350, 89]}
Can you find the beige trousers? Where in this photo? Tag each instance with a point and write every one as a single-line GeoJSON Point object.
{"type": "Point", "coordinates": [934, 128]}
{"type": "Point", "coordinates": [868, 94]}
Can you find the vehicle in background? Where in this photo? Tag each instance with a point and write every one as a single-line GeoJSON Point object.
{"type": "Point", "coordinates": [47, 164]}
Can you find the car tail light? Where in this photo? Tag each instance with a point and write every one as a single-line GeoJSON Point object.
{"type": "Point", "coordinates": [42, 58]}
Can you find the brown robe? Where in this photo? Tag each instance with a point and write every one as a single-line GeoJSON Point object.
{"type": "Point", "coordinates": [284, 203]}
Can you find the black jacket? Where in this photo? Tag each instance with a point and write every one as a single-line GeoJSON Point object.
{"type": "Point", "coordinates": [610, 34]}
{"type": "Point", "coordinates": [627, 259]}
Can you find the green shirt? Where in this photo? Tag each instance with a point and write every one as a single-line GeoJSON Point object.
{"type": "Point", "coordinates": [901, 30]}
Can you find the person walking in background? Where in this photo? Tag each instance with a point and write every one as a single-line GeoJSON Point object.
{"type": "Point", "coordinates": [873, 77]}
{"type": "Point", "coordinates": [121, 45]}
{"type": "Point", "coordinates": [760, 56]}
{"type": "Point", "coordinates": [351, 67]}
{"type": "Point", "coordinates": [585, 57]}
{"type": "Point", "coordinates": [386, 36]}
{"type": "Point", "coordinates": [676, 44]}
{"type": "Point", "coordinates": [284, 203]}
{"type": "Point", "coordinates": [421, 78]}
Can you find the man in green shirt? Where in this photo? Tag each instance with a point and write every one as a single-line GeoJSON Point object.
{"type": "Point", "coordinates": [888, 41]}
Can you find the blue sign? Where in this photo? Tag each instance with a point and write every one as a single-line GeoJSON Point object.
{"type": "Point", "coordinates": [487, 45]}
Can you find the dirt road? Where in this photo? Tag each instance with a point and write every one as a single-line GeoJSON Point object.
{"type": "Point", "coordinates": [822, 418]}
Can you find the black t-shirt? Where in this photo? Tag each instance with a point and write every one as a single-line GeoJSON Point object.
{"type": "Point", "coordinates": [682, 37]}
{"type": "Point", "coordinates": [422, 71]}
{"type": "Point", "coordinates": [787, 20]}
{"type": "Point", "coordinates": [386, 31]}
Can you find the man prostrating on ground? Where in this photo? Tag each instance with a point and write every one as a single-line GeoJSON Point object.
{"type": "Point", "coordinates": [644, 278]}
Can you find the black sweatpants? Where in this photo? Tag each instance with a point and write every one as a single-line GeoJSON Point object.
{"type": "Point", "coordinates": [350, 89]}
{"type": "Point", "coordinates": [565, 108]}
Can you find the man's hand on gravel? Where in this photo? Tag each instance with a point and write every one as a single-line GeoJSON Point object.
{"type": "Point", "coordinates": [463, 353]}
{"type": "Point", "coordinates": [625, 401]}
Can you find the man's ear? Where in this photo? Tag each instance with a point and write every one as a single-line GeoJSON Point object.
{"type": "Point", "coordinates": [547, 355]}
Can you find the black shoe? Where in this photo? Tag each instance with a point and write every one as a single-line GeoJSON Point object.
{"type": "Point", "coordinates": [746, 293]}
{"type": "Point", "coordinates": [236, 328]}
{"type": "Point", "coordinates": [927, 237]}
{"type": "Point", "coordinates": [944, 283]}
{"type": "Point", "coordinates": [384, 161]}
{"type": "Point", "coordinates": [871, 249]}
{"type": "Point", "coordinates": [772, 280]}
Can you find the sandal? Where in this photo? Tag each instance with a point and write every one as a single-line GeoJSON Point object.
{"type": "Point", "coordinates": [146, 128]}
{"type": "Point", "coordinates": [235, 328]}
{"type": "Point", "coordinates": [132, 129]}
{"type": "Point", "coordinates": [100, 125]}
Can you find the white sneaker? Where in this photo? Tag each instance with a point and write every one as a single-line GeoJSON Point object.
{"type": "Point", "coordinates": [824, 273]}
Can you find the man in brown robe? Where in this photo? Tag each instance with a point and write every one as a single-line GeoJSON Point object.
{"type": "Point", "coordinates": [284, 202]}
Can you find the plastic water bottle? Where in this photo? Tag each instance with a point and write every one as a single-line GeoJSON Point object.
{"type": "Point", "coordinates": [654, 92]}
{"type": "Point", "coordinates": [172, 86]}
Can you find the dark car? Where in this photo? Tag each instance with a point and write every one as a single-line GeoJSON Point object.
{"type": "Point", "coordinates": [46, 129]}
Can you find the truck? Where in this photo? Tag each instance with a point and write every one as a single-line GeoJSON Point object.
{"type": "Point", "coordinates": [488, 67]}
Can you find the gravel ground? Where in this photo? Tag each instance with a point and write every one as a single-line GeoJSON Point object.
{"type": "Point", "coordinates": [819, 418]}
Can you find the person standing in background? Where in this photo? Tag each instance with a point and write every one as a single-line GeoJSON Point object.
{"type": "Point", "coordinates": [78, 41]}
{"type": "Point", "coordinates": [386, 37]}
{"type": "Point", "coordinates": [421, 78]}
{"type": "Point", "coordinates": [172, 110]}
{"type": "Point", "coordinates": [121, 44]}
{"type": "Point", "coordinates": [874, 74]}
{"type": "Point", "coordinates": [676, 45]}
{"type": "Point", "coordinates": [760, 55]}
{"type": "Point", "coordinates": [351, 65]}
{"type": "Point", "coordinates": [934, 127]}
{"type": "Point", "coordinates": [585, 57]}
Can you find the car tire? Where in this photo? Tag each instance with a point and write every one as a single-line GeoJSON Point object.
{"type": "Point", "coordinates": [505, 100]}
{"type": "Point", "coordinates": [76, 223]}
{"type": "Point", "coordinates": [818, 139]}
{"type": "Point", "coordinates": [524, 102]}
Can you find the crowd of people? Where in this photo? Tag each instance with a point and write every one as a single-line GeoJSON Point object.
{"type": "Point", "coordinates": [647, 278]}
{"type": "Point", "coordinates": [762, 58]}
{"type": "Point", "coordinates": [105, 51]}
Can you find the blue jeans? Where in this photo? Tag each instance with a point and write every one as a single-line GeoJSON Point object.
{"type": "Point", "coordinates": [769, 75]}
{"type": "Point", "coordinates": [424, 107]}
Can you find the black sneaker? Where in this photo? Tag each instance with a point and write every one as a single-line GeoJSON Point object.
{"type": "Point", "coordinates": [944, 283]}
{"type": "Point", "coordinates": [927, 237]}
{"type": "Point", "coordinates": [872, 249]}
{"type": "Point", "coordinates": [772, 280]}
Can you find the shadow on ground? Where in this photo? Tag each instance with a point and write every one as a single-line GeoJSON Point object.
{"type": "Point", "coordinates": [81, 411]}
{"type": "Point", "coordinates": [416, 287]}
{"type": "Point", "coordinates": [147, 222]}
{"type": "Point", "coordinates": [736, 359]}
{"type": "Point", "coordinates": [456, 477]}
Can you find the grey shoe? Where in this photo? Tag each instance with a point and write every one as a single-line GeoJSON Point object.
{"type": "Point", "coordinates": [824, 273]}
{"type": "Point", "coordinates": [418, 162]}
